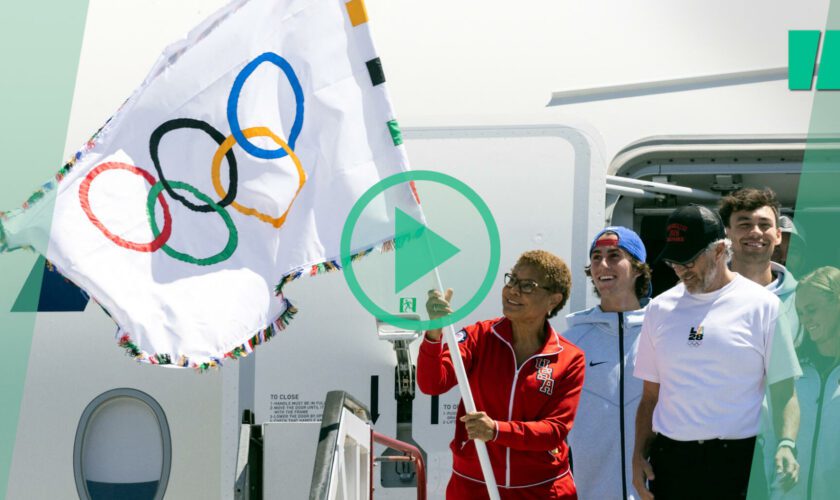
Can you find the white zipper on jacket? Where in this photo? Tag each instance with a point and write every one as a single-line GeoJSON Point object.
{"type": "Point", "coordinates": [622, 431]}
{"type": "Point", "coordinates": [513, 392]}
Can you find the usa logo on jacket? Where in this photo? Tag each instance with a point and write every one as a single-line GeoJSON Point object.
{"type": "Point", "coordinates": [544, 372]}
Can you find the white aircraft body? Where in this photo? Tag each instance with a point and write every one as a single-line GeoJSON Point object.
{"type": "Point", "coordinates": [535, 105]}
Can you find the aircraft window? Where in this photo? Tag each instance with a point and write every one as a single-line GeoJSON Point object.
{"type": "Point", "coordinates": [123, 448]}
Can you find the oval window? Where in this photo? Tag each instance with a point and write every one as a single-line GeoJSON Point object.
{"type": "Point", "coordinates": [122, 448]}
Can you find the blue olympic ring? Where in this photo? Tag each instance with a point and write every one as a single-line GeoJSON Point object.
{"type": "Point", "coordinates": [233, 102]}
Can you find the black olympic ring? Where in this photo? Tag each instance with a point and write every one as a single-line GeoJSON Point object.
{"type": "Point", "coordinates": [154, 143]}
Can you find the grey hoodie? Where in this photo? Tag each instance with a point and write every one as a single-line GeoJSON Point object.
{"type": "Point", "coordinates": [596, 438]}
{"type": "Point", "coordinates": [785, 288]}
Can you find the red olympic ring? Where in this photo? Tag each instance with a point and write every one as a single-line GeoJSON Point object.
{"type": "Point", "coordinates": [84, 191]}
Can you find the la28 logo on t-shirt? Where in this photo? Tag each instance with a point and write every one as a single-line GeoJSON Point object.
{"type": "Point", "coordinates": [695, 337]}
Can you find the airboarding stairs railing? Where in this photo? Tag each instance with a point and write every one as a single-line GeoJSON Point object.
{"type": "Point", "coordinates": [272, 456]}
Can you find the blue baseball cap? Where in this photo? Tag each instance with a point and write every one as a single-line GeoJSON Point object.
{"type": "Point", "coordinates": [628, 240]}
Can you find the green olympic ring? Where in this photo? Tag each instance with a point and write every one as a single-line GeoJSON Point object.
{"type": "Point", "coordinates": [222, 256]}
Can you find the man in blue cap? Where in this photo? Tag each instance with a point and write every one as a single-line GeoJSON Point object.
{"type": "Point", "coordinates": [602, 438]}
{"type": "Point", "coordinates": [707, 349]}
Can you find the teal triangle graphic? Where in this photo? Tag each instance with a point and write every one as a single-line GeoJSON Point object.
{"type": "Point", "coordinates": [422, 253]}
{"type": "Point", "coordinates": [28, 298]}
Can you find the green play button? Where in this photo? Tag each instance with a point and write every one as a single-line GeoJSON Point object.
{"type": "Point", "coordinates": [417, 257]}
{"type": "Point", "coordinates": [391, 277]}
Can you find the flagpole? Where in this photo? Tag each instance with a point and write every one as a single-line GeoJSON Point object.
{"type": "Point", "coordinates": [467, 398]}
{"type": "Point", "coordinates": [464, 386]}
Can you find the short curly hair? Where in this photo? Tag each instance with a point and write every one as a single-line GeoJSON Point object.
{"type": "Point", "coordinates": [748, 199]}
{"type": "Point", "coordinates": [556, 273]}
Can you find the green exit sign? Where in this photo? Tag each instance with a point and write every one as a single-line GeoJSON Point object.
{"type": "Point", "coordinates": [408, 305]}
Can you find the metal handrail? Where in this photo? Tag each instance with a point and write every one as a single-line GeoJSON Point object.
{"type": "Point", "coordinates": [415, 455]}
{"type": "Point", "coordinates": [334, 403]}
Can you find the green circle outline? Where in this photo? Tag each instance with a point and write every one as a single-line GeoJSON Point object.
{"type": "Point", "coordinates": [465, 191]}
{"type": "Point", "coordinates": [233, 239]}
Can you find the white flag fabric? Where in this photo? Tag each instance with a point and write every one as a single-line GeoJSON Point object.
{"type": "Point", "coordinates": [228, 172]}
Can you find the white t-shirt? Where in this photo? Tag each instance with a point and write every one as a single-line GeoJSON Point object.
{"type": "Point", "coordinates": [710, 354]}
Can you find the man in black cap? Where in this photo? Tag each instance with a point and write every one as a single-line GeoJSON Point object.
{"type": "Point", "coordinates": [705, 358]}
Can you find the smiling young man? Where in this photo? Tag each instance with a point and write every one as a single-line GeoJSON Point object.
{"type": "Point", "coordinates": [602, 439]}
{"type": "Point", "coordinates": [707, 349]}
{"type": "Point", "coordinates": [752, 221]}
{"type": "Point", "coordinates": [751, 217]}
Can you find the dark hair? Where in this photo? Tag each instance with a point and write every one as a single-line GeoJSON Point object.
{"type": "Point", "coordinates": [642, 281]}
{"type": "Point", "coordinates": [557, 275]}
{"type": "Point", "coordinates": [748, 199]}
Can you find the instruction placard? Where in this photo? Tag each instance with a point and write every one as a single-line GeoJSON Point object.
{"type": "Point", "coordinates": [448, 413]}
{"type": "Point", "coordinates": [290, 408]}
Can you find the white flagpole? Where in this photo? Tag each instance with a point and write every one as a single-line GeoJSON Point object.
{"type": "Point", "coordinates": [464, 387]}
{"type": "Point", "coordinates": [469, 403]}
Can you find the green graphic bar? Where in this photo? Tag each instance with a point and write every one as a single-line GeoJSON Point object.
{"type": "Point", "coordinates": [817, 211]}
{"type": "Point", "coordinates": [829, 76]}
{"type": "Point", "coordinates": [802, 58]}
{"type": "Point", "coordinates": [41, 42]}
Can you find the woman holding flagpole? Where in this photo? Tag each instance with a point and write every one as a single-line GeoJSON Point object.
{"type": "Point", "coordinates": [526, 380]}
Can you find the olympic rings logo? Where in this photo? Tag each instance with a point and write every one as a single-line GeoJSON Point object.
{"type": "Point", "coordinates": [227, 197]}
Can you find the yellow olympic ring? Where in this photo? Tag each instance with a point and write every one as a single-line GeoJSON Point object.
{"type": "Point", "coordinates": [217, 180]}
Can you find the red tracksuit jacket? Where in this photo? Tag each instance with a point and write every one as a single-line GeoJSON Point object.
{"type": "Point", "coordinates": [534, 405]}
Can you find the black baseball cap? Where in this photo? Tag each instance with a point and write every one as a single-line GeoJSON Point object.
{"type": "Point", "coordinates": [689, 230]}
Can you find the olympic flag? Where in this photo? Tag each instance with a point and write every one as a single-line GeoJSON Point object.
{"type": "Point", "coordinates": [228, 172]}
